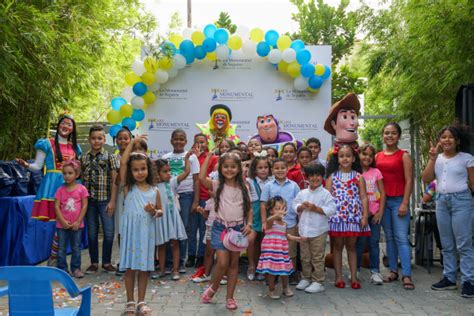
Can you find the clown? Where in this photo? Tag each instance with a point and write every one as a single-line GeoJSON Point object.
{"type": "Point", "coordinates": [269, 133]}
{"type": "Point", "coordinates": [219, 127]}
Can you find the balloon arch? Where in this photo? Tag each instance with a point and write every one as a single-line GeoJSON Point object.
{"type": "Point", "coordinates": [212, 43]}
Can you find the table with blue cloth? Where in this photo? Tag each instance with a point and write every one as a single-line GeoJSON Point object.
{"type": "Point", "coordinates": [23, 240]}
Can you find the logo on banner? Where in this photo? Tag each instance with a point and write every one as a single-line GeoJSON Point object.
{"type": "Point", "coordinates": [298, 127]}
{"type": "Point", "coordinates": [234, 63]}
{"type": "Point", "coordinates": [159, 124]}
{"type": "Point", "coordinates": [218, 94]}
{"type": "Point", "coordinates": [292, 94]}
{"type": "Point", "coordinates": [173, 94]}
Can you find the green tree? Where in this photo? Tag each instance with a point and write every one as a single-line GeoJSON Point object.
{"type": "Point", "coordinates": [224, 21]}
{"type": "Point", "coordinates": [62, 55]}
{"type": "Point", "coordinates": [175, 23]}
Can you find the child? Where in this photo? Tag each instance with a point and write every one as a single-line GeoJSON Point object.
{"type": "Point", "coordinates": [224, 146]}
{"type": "Point", "coordinates": [99, 170]}
{"type": "Point", "coordinates": [137, 227]}
{"type": "Point", "coordinates": [233, 209]}
{"type": "Point", "coordinates": [272, 153]}
{"type": "Point", "coordinates": [254, 146]}
{"type": "Point", "coordinates": [303, 157]}
{"type": "Point", "coordinates": [314, 205]}
{"type": "Point", "coordinates": [453, 170]}
{"type": "Point", "coordinates": [350, 221]}
{"type": "Point", "coordinates": [71, 206]}
{"type": "Point", "coordinates": [288, 153]}
{"type": "Point", "coordinates": [170, 228]}
{"type": "Point", "coordinates": [259, 174]}
{"type": "Point", "coordinates": [245, 155]}
{"type": "Point", "coordinates": [186, 194]}
{"type": "Point", "coordinates": [288, 190]}
{"type": "Point", "coordinates": [315, 146]}
{"type": "Point", "coordinates": [275, 259]}
{"type": "Point", "coordinates": [376, 198]}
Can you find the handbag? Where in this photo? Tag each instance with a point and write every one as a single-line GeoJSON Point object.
{"type": "Point", "coordinates": [234, 240]}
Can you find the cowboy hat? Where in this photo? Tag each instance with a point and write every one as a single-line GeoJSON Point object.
{"type": "Point", "coordinates": [350, 101]}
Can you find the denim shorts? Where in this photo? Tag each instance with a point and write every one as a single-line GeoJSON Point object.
{"type": "Point", "coordinates": [216, 232]}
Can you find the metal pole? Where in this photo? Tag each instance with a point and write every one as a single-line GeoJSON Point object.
{"type": "Point", "coordinates": [189, 14]}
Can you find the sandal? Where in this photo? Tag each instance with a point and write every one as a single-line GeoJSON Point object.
{"type": "Point", "coordinates": [355, 285]}
{"type": "Point", "coordinates": [143, 309]}
{"type": "Point", "coordinates": [340, 284]}
{"type": "Point", "coordinates": [130, 308]}
{"type": "Point", "coordinates": [393, 276]}
{"type": "Point", "coordinates": [251, 274]}
{"type": "Point", "coordinates": [409, 284]}
{"type": "Point", "coordinates": [231, 304]}
{"type": "Point", "coordinates": [208, 294]}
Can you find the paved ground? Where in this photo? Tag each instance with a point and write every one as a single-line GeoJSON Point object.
{"type": "Point", "coordinates": [167, 297]}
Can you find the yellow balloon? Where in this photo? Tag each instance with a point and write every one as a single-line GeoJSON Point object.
{"type": "Point", "coordinates": [319, 70]}
{"type": "Point", "coordinates": [138, 125]}
{"type": "Point", "coordinates": [282, 66]}
{"type": "Point", "coordinates": [151, 65]}
{"type": "Point", "coordinates": [176, 39]}
{"type": "Point", "coordinates": [144, 107]}
{"type": "Point", "coordinates": [131, 78]}
{"type": "Point", "coordinates": [294, 69]}
{"type": "Point", "coordinates": [197, 37]}
{"type": "Point", "coordinates": [165, 63]}
{"type": "Point", "coordinates": [148, 78]}
{"type": "Point", "coordinates": [126, 110]}
{"type": "Point", "coordinates": [149, 97]}
{"type": "Point", "coordinates": [312, 90]}
{"type": "Point", "coordinates": [256, 35]}
{"type": "Point", "coordinates": [114, 117]}
{"type": "Point", "coordinates": [235, 42]}
{"type": "Point", "coordinates": [283, 42]}
{"type": "Point", "coordinates": [211, 56]}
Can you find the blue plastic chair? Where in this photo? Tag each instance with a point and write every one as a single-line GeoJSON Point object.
{"type": "Point", "coordinates": [30, 293]}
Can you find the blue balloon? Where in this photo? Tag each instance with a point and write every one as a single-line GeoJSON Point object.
{"type": "Point", "coordinates": [263, 49]}
{"type": "Point", "coordinates": [199, 52]}
{"type": "Point", "coordinates": [327, 73]}
{"type": "Point", "coordinates": [307, 70]}
{"type": "Point", "coordinates": [130, 123]}
{"type": "Point", "coordinates": [209, 45]}
{"type": "Point", "coordinates": [139, 89]}
{"type": "Point", "coordinates": [114, 130]}
{"type": "Point", "coordinates": [168, 46]}
{"type": "Point", "coordinates": [138, 115]}
{"type": "Point", "coordinates": [303, 56]}
{"type": "Point", "coordinates": [209, 30]}
{"type": "Point", "coordinates": [271, 37]}
{"type": "Point", "coordinates": [297, 45]}
{"type": "Point", "coordinates": [117, 103]}
{"type": "Point", "coordinates": [189, 58]}
{"type": "Point", "coordinates": [221, 36]}
{"type": "Point", "coordinates": [315, 82]}
{"type": "Point", "coordinates": [186, 47]}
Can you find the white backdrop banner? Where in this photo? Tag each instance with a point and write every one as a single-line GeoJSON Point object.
{"type": "Point", "coordinates": [250, 87]}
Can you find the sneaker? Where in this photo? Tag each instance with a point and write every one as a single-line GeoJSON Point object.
{"type": "Point", "coordinates": [78, 274]}
{"type": "Point", "coordinates": [302, 284]}
{"type": "Point", "coordinates": [223, 281]}
{"type": "Point", "coordinates": [376, 278]}
{"type": "Point", "coordinates": [176, 276]}
{"type": "Point", "coordinates": [199, 262]}
{"type": "Point", "coordinates": [315, 287]}
{"type": "Point", "coordinates": [118, 272]}
{"type": "Point", "coordinates": [191, 262]}
{"type": "Point", "coordinates": [154, 275]}
{"type": "Point", "coordinates": [108, 268]}
{"type": "Point", "coordinates": [294, 279]}
{"type": "Point", "coordinates": [467, 290]}
{"type": "Point", "coordinates": [287, 292]}
{"type": "Point", "coordinates": [199, 272]}
{"type": "Point", "coordinates": [93, 268]}
{"type": "Point", "coordinates": [202, 278]}
{"type": "Point", "coordinates": [273, 295]}
{"type": "Point", "coordinates": [168, 271]}
{"type": "Point", "coordinates": [444, 284]}
{"type": "Point", "coordinates": [182, 270]}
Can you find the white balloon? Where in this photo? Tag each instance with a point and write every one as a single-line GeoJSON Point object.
{"type": "Point", "coordinates": [187, 32]}
{"type": "Point", "coordinates": [243, 32]}
{"type": "Point", "coordinates": [274, 56]}
{"type": "Point", "coordinates": [138, 102]}
{"type": "Point", "coordinates": [222, 52]}
{"type": "Point", "coordinates": [179, 61]}
{"type": "Point", "coordinates": [138, 68]}
{"type": "Point", "coordinates": [173, 72]}
{"type": "Point", "coordinates": [154, 87]}
{"type": "Point", "coordinates": [249, 48]}
{"type": "Point", "coordinates": [289, 55]}
{"type": "Point", "coordinates": [237, 54]}
{"type": "Point", "coordinates": [127, 93]}
{"type": "Point", "coordinates": [161, 76]}
{"type": "Point", "coordinates": [300, 83]}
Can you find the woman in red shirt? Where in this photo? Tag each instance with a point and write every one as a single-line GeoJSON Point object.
{"type": "Point", "coordinates": [397, 170]}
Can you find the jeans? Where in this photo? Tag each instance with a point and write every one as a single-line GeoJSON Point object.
{"type": "Point", "coordinates": [74, 237]}
{"type": "Point", "coordinates": [96, 209]}
{"type": "Point", "coordinates": [396, 233]}
{"type": "Point", "coordinates": [196, 223]}
{"type": "Point", "coordinates": [185, 202]}
{"type": "Point", "coordinates": [454, 216]}
{"type": "Point", "coordinates": [374, 249]}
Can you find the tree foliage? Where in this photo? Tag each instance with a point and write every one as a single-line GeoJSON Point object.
{"type": "Point", "coordinates": [62, 55]}
{"type": "Point", "coordinates": [224, 21]}
{"type": "Point", "coordinates": [420, 52]}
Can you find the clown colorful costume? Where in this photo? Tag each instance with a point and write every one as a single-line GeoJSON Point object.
{"type": "Point", "coordinates": [43, 207]}
{"type": "Point", "coordinates": [219, 127]}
